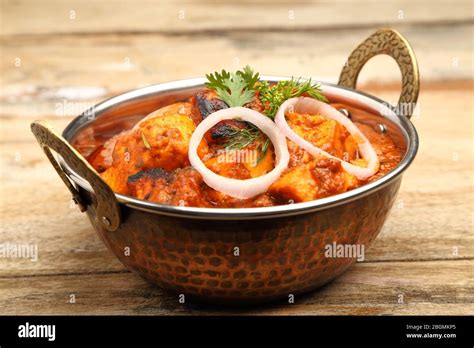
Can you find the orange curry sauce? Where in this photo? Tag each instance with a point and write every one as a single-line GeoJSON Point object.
{"type": "Point", "coordinates": [150, 160]}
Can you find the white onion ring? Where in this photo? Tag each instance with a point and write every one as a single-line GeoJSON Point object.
{"type": "Point", "coordinates": [248, 188]}
{"type": "Point", "coordinates": [316, 107]}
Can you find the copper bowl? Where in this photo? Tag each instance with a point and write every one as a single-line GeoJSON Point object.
{"type": "Point", "coordinates": [246, 254]}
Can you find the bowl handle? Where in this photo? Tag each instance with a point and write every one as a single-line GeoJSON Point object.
{"type": "Point", "coordinates": [107, 211]}
{"type": "Point", "coordinates": [392, 43]}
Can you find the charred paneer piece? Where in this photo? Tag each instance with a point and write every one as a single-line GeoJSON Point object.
{"type": "Point", "coordinates": [206, 102]}
{"type": "Point", "coordinates": [144, 183]}
{"type": "Point", "coordinates": [180, 187]}
{"type": "Point", "coordinates": [160, 140]}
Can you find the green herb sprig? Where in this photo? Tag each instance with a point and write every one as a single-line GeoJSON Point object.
{"type": "Point", "coordinates": [234, 89]}
{"type": "Point", "coordinates": [264, 149]}
{"type": "Point", "coordinates": [240, 138]}
{"type": "Point", "coordinates": [272, 96]}
{"type": "Point", "coordinates": [241, 87]}
{"type": "Point", "coordinates": [244, 86]}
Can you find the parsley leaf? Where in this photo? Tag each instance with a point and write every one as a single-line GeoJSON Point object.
{"type": "Point", "coordinates": [249, 77]}
{"type": "Point", "coordinates": [233, 91]}
{"type": "Point", "coordinates": [216, 80]}
{"type": "Point", "coordinates": [236, 89]}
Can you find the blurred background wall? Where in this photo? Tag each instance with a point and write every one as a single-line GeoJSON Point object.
{"type": "Point", "coordinates": [85, 50]}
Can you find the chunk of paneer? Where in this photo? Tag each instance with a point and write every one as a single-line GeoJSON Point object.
{"type": "Point", "coordinates": [165, 141]}
{"type": "Point", "coordinates": [235, 150]}
{"type": "Point", "coordinates": [161, 140]}
{"type": "Point", "coordinates": [296, 184]}
{"type": "Point", "coordinates": [298, 155]}
{"type": "Point", "coordinates": [143, 184]}
{"type": "Point", "coordinates": [181, 108]}
{"type": "Point", "coordinates": [205, 103]}
{"type": "Point", "coordinates": [324, 133]}
{"type": "Point", "coordinates": [319, 178]}
{"type": "Point", "coordinates": [242, 164]}
{"type": "Point", "coordinates": [180, 187]}
{"type": "Point", "coordinates": [264, 163]}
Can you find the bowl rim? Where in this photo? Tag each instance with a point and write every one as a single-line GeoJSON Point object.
{"type": "Point", "coordinates": [377, 105]}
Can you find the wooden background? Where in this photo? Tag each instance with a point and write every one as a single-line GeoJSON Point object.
{"type": "Point", "coordinates": [58, 57]}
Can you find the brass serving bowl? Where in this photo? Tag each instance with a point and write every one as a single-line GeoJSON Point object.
{"type": "Point", "coordinates": [244, 254]}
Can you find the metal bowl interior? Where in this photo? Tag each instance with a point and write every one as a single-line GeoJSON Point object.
{"type": "Point", "coordinates": [138, 103]}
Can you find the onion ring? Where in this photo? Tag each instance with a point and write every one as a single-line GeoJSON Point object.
{"type": "Point", "coordinates": [236, 188]}
{"type": "Point", "coordinates": [316, 107]}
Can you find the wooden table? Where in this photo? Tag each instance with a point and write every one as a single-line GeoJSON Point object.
{"type": "Point", "coordinates": [60, 57]}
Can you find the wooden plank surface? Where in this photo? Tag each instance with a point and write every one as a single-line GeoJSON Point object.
{"type": "Point", "coordinates": [368, 288]}
{"type": "Point", "coordinates": [83, 70]}
{"type": "Point", "coordinates": [421, 228]}
{"type": "Point", "coordinates": [196, 16]}
{"type": "Point", "coordinates": [51, 62]}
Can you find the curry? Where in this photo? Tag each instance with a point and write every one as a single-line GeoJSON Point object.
{"type": "Point", "coordinates": [317, 153]}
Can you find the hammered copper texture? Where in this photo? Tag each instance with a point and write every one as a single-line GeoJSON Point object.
{"type": "Point", "coordinates": [278, 256]}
